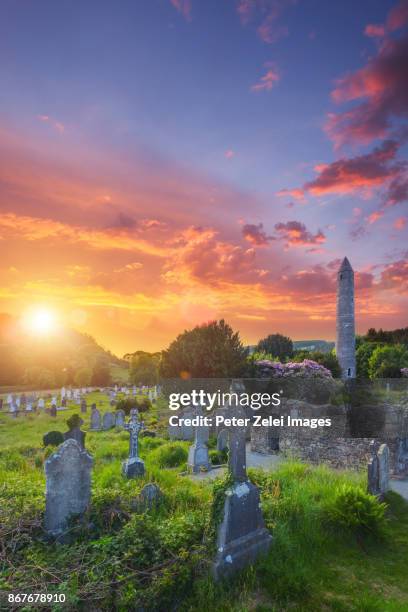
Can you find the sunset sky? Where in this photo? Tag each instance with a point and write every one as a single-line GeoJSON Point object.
{"type": "Point", "coordinates": [168, 162]}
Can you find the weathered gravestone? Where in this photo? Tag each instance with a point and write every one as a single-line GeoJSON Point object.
{"type": "Point", "coordinates": [74, 423]}
{"type": "Point", "coordinates": [198, 459]}
{"type": "Point", "coordinates": [120, 418]}
{"type": "Point", "coordinates": [95, 419]}
{"type": "Point", "coordinates": [183, 432]}
{"type": "Point", "coordinates": [222, 440]}
{"type": "Point", "coordinates": [242, 535]}
{"type": "Point", "coordinates": [84, 406]}
{"type": "Point", "coordinates": [378, 470]}
{"type": "Point", "coordinates": [108, 420]}
{"type": "Point", "coordinates": [149, 497]}
{"type": "Point", "coordinates": [53, 410]}
{"type": "Point", "coordinates": [134, 465]}
{"type": "Point", "coordinates": [68, 486]}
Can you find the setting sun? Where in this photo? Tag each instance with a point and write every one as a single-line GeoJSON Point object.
{"type": "Point", "coordinates": [41, 321]}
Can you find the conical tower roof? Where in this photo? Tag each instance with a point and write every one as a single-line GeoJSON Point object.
{"type": "Point", "coordinates": [345, 265]}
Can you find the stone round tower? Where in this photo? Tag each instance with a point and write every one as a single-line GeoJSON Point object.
{"type": "Point", "coordinates": [345, 328]}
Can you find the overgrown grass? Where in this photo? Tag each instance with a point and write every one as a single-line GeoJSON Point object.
{"type": "Point", "coordinates": [127, 559]}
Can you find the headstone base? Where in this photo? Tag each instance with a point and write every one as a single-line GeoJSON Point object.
{"type": "Point", "coordinates": [242, 536]}
{"type": "Point", "coordinates": [132, 468]}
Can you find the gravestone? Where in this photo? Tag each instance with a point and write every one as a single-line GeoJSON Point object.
{"type": "Point", "coordinates": [108, 420]}
{"type": "Point", "coordinates": [378, 470]}
{"type": "Point", "coordinates": [198, 459]}
{"type": "Point", "coordinates": [75, 433]}
{"type": "Point", "coordinates": [222, 440]}
{"type": "Point", "coordinates": [1, 403]}
{"type": "Point", "coordinates": [183, 432]}
{"type": "Point", "coordinates": [95, 419]}
{"type": "Point", "coordinates": [53, 410]}
{"type": "Point", "coordinates": [64, 402]}
{"type": "Point", "coordinates": [84, 407]}
{"type": "Point", "coordinates": [241, 535]}
{"type": "Point", "coordinates": [119, 418]}
{"type": "Point", "coordinates": [150, 495]}
{"type": "Point", "coordinates": [68, 486]}
{"type": "Point", "coordinates": [133, 466]}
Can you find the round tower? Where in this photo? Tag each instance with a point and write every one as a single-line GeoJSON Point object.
{"type": "Point", "coordinates": [345, 327]}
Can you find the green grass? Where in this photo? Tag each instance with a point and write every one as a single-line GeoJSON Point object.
{"type": "Point", "coordinates": [120, 374]}
{"type": "Point", "coordinates": [160, 559]}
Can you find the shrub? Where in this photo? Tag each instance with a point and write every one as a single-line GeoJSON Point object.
{"type": "Point", "coordinates": [355, 510]}
{"type": "Point", "coordinates": [218, 457]}
{"type": "Point", "coordinates": [127, 404]}
{"type": "Point", "coordinates": [170, 455]}
{"type": "Point", "coordinates": [74, 421]}
{"type": "Point", "coordinates": [53, 438]}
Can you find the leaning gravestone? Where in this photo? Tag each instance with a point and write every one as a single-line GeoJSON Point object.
{"type": "Point", "coordinates": [95, 419]}
{"type": "Point", "coordinates": [242, 535]}
{"type": "Point", "coordinates": [108, 420]}
{"type": "Point", "coordinates": [378, 470]}
{"type": "Point", "coordinates": [198, 459]}
{"type": "Point", "coordinates": [134, 465]}
{"type": "Point", "coordinates": [68, 486]}
{"type": "Point", "coordinates": [120, 418]}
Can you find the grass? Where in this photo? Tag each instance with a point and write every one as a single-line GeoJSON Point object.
{"type": "Point", "coordinates": [159, 559]}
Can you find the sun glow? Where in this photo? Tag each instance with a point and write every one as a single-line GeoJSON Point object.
{"type": "Point", "coordinates": [41, 321]}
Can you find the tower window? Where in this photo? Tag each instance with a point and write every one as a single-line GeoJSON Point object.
{"type": "Point", "coordinates": [349, 372]}
{"type": "Point", "coordinates": [341, 277]}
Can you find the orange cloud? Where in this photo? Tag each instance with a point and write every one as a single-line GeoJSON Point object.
{"type": "Point", "coordinates": [400, 223]}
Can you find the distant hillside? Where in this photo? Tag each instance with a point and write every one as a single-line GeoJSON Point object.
{"type": "Point", "coordinates": [68, 357]}
{"type": "Point", "coordinates": [313, 345]}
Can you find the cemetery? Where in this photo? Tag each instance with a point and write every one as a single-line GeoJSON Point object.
{"type": "Point", "coordinates": [111, 511]}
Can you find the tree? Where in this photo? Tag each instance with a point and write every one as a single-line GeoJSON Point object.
{"type": "Point", "coordinates": [363, 354]}
{"type": "Point", "coordinates": [328, 360]}
{"type": "Point", "coordinates": [83, 377]}
{"type": "Point", "coordinates": [101, 375]}
{"type": "Point", "coordinates": [387, 361]}
{"type": "Point", "coordinates": [277, 345]}
{"type": "Point", "coordinates": [144, 368]}
{"type": "Point", "coordinates": [212, 350]}
{"type": "Point", "coordinates": [39, 377]}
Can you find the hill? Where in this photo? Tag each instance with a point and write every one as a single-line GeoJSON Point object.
{"type": "Point", "coordinates": [66, 357]}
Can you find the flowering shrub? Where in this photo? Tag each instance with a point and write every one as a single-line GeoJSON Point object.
{"type": "Point", "coordinates": [404, 371]}
{"type": "Point", "coordinates": [306, 368]}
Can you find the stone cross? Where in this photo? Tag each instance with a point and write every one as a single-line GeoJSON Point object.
{"type": "Point", "coordinates": [68, 486]}
{"type": "Point", "coordinates": [133, 466]}
{"type": "Point", "coordinates": [134, 426]}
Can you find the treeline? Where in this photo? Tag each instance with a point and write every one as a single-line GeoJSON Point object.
{"type": "Point", "coordinates": [215, 350]}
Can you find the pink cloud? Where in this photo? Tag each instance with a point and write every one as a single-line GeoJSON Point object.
{"type": "Point", "coordinates": [57, 125]}
{"type": "Point", "coordinates": [374, 31]}
{"type": "Point", "coordinates": [382, 89]}
{"type": "Point", "coordinates": [256, 235]}
{"type": "Point", "coordinates": [267, 81]}
{"type": "Point", "coordinates": [183, 7]}
{"type": "Point", "coordinates": [400, 223]}
{"type": "Point", "coordinates": [229, 154]}
{"type": "Point", "coordinates": [375, 216]}
{"type": "Point", "coordinates": [295, 233]}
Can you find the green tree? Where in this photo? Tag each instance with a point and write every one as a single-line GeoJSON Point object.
{"type": "Point", "coordinates": [144, 368]}
{"type": "Point", "coordinates": [212, 350]}
{"type": "Point", "coordinates": [276, 344]}
{"type": "Point", "coordinates": [83, 377]}
{"type": "Point", "coordinates": [328, 360]}
{"type": "Point", "coordinates": [39, 377]}
{"type": "Point", "coordinates": [387, 361]}
{"type": "Point", "coordinates": [363, 355]}
{"type": "Point", "coordinates": [101, 374]}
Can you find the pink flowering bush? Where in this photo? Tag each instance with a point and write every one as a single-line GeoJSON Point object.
{"type": "Point", "coordinates": [306, 369]}
{"type": "Point", "coordinates": [404, 372]}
